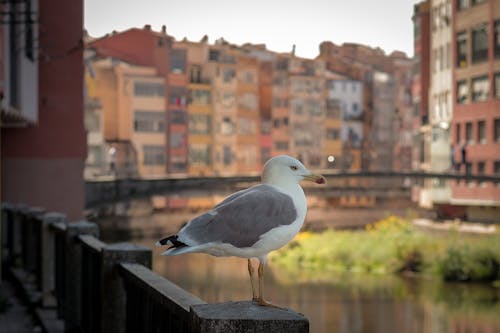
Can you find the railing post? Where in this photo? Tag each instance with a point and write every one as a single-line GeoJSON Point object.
{"type": "Point", "coordinates": [245, 316]}
{"type": "Point", "coordinates": [72, 271]}
{"type": "Point", "coordinates": [31, 242]}
{"type": "Point", "coordinates": [114, 303]}
{"type": "Point", "coordinates": [17, 231]}
{"type": "Point", "coordinates": [48, 257]}
{"type": "Point", "coordinates": [7, 234]}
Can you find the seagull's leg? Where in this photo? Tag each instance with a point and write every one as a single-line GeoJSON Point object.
{"type": "Point", "coordinates": [260, 272]}
{"type": "Point", "coordinates": [250, 272]}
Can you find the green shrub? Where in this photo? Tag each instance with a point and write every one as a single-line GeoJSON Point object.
{"type": "Point", "coordinates": [467, 263]}
{"type": "Point", "coordinates": [389, 246]}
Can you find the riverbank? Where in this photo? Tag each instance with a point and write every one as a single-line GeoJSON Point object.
{"type": "Point", "coordinates": [395, 245]}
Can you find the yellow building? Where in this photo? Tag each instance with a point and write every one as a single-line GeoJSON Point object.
{"type": "Point", "coordinates": [200, 114]}
{"type": "Point", "coordinates": [133, 102]}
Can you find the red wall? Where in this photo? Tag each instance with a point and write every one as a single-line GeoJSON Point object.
{"type": "Point", "coordinates": [59, 138]}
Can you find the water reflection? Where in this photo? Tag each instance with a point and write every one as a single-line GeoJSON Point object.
{"type": "Point", "coordinates": [350, 303]}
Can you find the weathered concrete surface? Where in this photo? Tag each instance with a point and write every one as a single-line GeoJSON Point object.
{"type": "Point", "coordinates": [245, 316]}
{"type": "Point", "coordinates": [114, 296]}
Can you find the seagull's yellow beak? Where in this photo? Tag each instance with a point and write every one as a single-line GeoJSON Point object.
{"type": "Point", "coordinates": [318, 179]}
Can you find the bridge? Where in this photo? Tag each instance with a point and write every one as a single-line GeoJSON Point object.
{"type": "Point", "coordinates": [386, 184]}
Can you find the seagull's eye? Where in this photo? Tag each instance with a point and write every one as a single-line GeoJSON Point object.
{"type": "Point", "coordinates": [293, 167]}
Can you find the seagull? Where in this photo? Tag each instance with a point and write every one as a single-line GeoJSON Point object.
{"type": "Point", "coordinates": [252, 222]}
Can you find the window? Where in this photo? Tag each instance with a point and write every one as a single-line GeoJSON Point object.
{"type": "Point", "coordinates": [297, 107]}
{"type": "Point", "coordinates": [178, 117]}
{"type": "Point", "coordinates": [149, 121]}
{"type": "Point", "coordinates": [461, 49]}
{"type": "Point", "coordinates": [332, 133]}
{"type": "Point", "coordinates": [228, 74]}
{"type": "Point", "coordinates": [480, 43]}
{"type": "Point", "coordinates": [496, 168]}
{"type": "Point", "coordinates": [153, 155]}
{"type": "Point", "coordinates": [457, 133]}
{"type": "Point", "coordinates": [227, 155]}
{"type": "Point", "coordinates": [476, 2]}
{"type": "Point", "coordinates": [228, 99]}
{"type": "Point", "coordinates": [246, 126]}
{"type": "Point", "coordinates": [199, 154]}
{"type": "Point", "coordinates": [148, 89]}
{"type": "Point", "coordinates": [497, 85]}
{"type": "Point", "coordinates": [281, 145]}
{"type": "Point", "coordinates": [177, 140]}
{"type": "Point", "coordinates": [462, 92]}
{"type": "Point", "coordinates": [200, 97]}
{"type": "Point", "coordinates": [480, 88]}
{"type": "Point", "coordinates": [248, 101]}
{"type": "Point", "coordinates": [496, 42]}
{"type": "Point", "coordinates": [177, 61]}
{"type": "Point", "coordinates": [227, 126]}
{"type": "Point", "coordinates": [195, 74]}
{"type": "Point", "coordinates": [480, 170]}
{"type": "Point", "coordinates": [497, 130]}
{"type": "Point", "coordinates": [213, 55]}
{"type": "Point", "coordinates": [468, 171]}
{"type": "Point", "coordinates": [177, 95]}
{"type": "Point", "coordinates": [199, 124]}
{"type": "Point", "coordinates": [94, 156]}
{"type": "Point", "coordinates": [481, 131]}
{"type": "Point", "coordinates": [92, 121]}
{"type": "Point", "coordinates": [468, 132]}
{"type": "Point", "coordinates": [247, 76]}
{"type": "Point", "coordinates": [462, 4]}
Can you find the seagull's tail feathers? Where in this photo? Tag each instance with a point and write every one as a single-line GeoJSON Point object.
{"type": "Point", "coordinates": [176, 246]}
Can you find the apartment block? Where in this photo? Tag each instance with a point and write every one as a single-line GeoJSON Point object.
{"type": "Point", "coordinates": [248, 115]}
{"type": "Point", "coordinates": [134, 117]}
{"type": "Point", "coordinates": [440, 98]}
{"type": "Point", "coordinates": [420, 93]}
{"type": "Point", "coordinates": [177, 113]}
{"type": "Point", "coordinates": [222, 66]}
{"type": "Point", "coordinates": [307, 110]}
{"type": "Point", "coordinates": [475, 125]}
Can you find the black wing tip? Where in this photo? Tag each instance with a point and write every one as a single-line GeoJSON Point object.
{"type": "Point", "coordinates": [171, 240]}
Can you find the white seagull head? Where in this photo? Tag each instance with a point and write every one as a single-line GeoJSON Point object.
{"type": "Point", "coordinates": [285, 170]}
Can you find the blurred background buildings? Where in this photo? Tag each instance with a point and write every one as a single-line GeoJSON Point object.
{"type": "Point", "coordinates": [157, 106]}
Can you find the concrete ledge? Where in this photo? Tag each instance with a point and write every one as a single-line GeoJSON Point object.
{"type": "Point", "coordinates": [245, 316]}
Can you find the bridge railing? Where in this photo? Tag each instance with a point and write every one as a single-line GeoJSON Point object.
{"type": "Point", "coordinates": [80, 284]}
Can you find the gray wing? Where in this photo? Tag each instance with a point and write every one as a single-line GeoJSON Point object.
{"type": "Point", "coordinates": [243, 217]}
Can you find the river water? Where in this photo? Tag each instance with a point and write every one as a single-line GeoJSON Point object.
{"type": "Point", "coordinates": [346, 303]}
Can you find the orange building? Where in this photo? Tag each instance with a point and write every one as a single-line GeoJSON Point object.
{"type": "Point", "coordinates": [177, 151]}
{"type": "Point", "coordinates": [248, 116]}
{"type": "Point", "coordinates": [281, 107]}
{"type": "Point", "coordinates": [222, 61]}
{"type": "Point", "coordinates": [132, 99]}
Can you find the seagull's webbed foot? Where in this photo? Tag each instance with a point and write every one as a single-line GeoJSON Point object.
{"type": "Point", "coordinates": [263, 302]}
